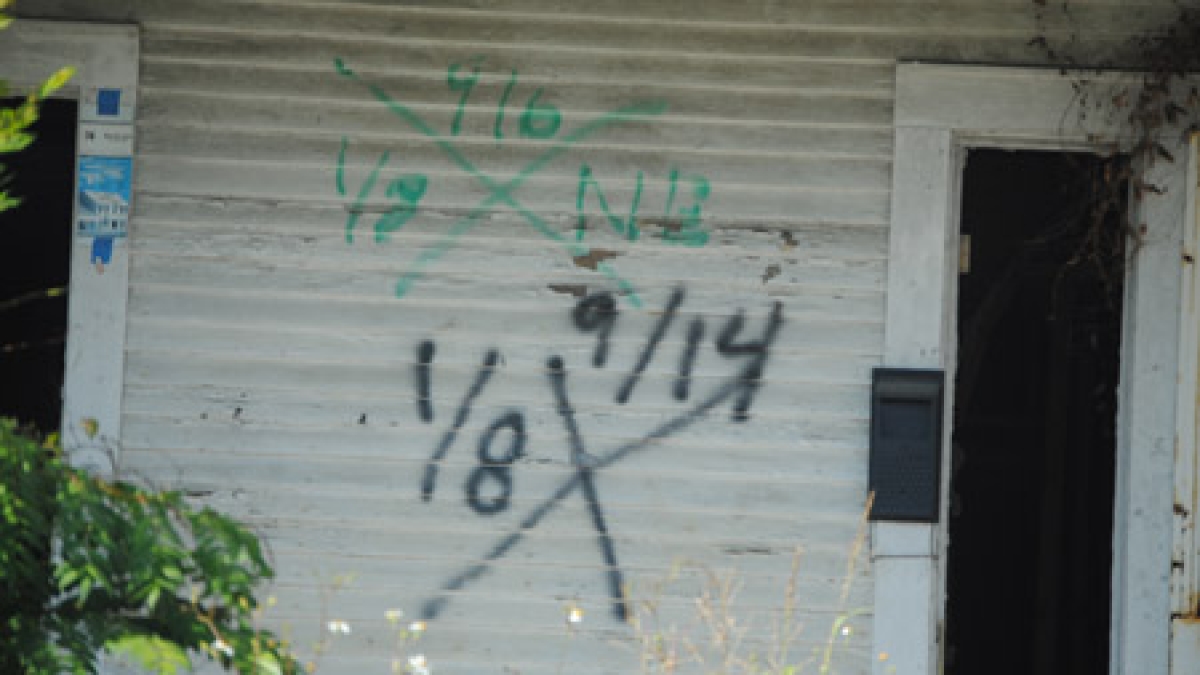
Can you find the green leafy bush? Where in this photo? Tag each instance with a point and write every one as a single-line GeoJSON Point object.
{"type": "Point", "coordinates": [90, 565]}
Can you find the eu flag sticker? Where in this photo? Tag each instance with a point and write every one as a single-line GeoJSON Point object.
{"type": "Point", "coordinates": [108, 102]}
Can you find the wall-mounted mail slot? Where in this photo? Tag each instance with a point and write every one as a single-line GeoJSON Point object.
{"type": "Point", "coordinates": [906, 442]}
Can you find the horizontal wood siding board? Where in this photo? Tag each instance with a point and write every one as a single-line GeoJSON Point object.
{"type": "Point", "coordinates": [501, 19]}
{"type": "Point", "coordinates": [274, 367]}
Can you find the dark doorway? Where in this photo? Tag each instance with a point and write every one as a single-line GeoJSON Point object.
{"type": "Point", "coordinates": [1032, 466]}
{"type": "Point", "coordinates": [37, 249]}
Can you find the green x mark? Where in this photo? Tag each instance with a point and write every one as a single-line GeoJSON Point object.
{"type": "Point", "coordinates": [498, 193]}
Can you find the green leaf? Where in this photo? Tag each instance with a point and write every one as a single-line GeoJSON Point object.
{"type": "Point", "coordinates": [268, 664]}
{"type": "Point", "coordinates": [67, 576]}
{"type": "Point", "coordinates": [151, 653]}
{"type": "Point", "coordinates": [26, 113]}
{"type": "Point", "coordinates": [15, 141]}
{"type": "Point", "coordinates": [56, 81]}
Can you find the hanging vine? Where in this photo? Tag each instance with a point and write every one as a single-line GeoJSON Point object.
{"type": "Point", "coordinates": [1147, 116]}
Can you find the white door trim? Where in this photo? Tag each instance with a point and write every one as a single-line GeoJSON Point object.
{"type": "Point", "coordinates": [105, 84]}
{"type": "Point", "coordinates": [1185, 559]}
{"type": "Point", "coordinates": [941, 110]}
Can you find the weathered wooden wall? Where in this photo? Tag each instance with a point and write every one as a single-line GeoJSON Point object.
{"type": "Point", "coordinates": [274, 338]}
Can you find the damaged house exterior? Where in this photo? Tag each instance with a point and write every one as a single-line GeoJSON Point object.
{"type": "Point", "coordinates": [566, 328]}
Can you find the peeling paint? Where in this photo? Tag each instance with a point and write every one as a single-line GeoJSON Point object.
{"type": "Point", "coordinates": [593, 258]}
{"type": "Point", "coordinates": [789, 240]}
{"type": "Point", "coordinates": [667, 224]}
{"type": "Point", "coordinates": [771, 272]}
{"type": "Point", "coordinates": [577, 290]}
{"type": "Point", "coordinates": [749, 550]}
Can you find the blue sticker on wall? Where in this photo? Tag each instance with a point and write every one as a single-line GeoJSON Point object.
{"type": "Point", "coordinates": [102, 248]}
{"type": "Point", "coordinates": [108, 102]}
{"type": "Point", "coordinates": [103, 196]}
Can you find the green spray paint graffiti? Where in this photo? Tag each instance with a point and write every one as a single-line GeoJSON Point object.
{"type": "Point", "coordinates": [683, 225]}
{"type": "Point", "coordinates": [625, 228]}
{"type": "Point", "coordinates": [539, 121]}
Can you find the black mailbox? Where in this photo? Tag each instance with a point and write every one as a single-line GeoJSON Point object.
{"type": "Point", "coordinates": [906, 442]}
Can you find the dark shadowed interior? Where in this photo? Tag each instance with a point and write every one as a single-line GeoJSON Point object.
{"type": "Point", "coordinates": [1032, 477]}
{"type": "Point", "coordinates": [36, 248]}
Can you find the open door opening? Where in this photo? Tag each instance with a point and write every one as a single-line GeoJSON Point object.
{"type": "Point", "coordinates": [37, 245]}
{"type": "Point", "coordinates": [1030, 522]}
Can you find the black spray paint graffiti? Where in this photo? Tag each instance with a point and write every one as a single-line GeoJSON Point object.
{"type": "Point", "coordinates": [683, 382]}
{"type": "Point", "coordinates": [584, 463]}
{"type": "Point", "coordinates": [597, 313]}
{"type": "Point", "coordinates": [425, 354]}
{"type": "Point", "coordinates": [660, 329]}
{"type": "Point", "coordinates": [594, 314]}
{"type": "Point", "coordinates": [429, 481]}
{"type": "Point", "coordinates": [496, 468]}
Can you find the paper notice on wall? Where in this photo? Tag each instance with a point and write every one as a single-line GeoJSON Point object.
{"type": "Point", "coordinates": [102, 209]}
{"type": "Point", "coordinates": [105, 140]}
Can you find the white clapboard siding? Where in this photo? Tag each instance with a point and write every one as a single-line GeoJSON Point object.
{"type": "Point", "coordinates": [272, 367]}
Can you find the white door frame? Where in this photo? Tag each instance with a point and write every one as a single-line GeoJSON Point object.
{"type": "Point", "coordinates": [941, 111]}
{"type": "Point", "coordinates": [105, 84]}
{"type": "Point", "coordinates": [1185, 559]}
